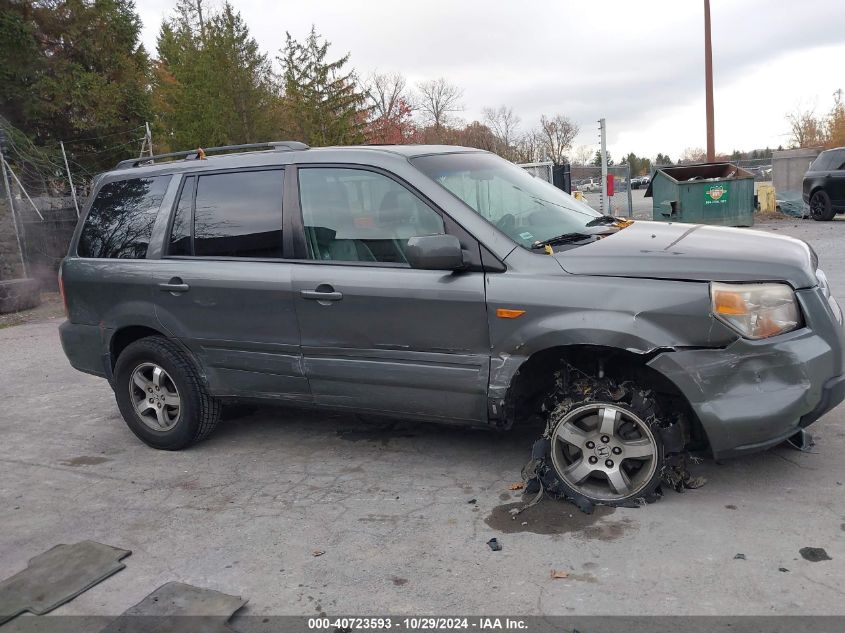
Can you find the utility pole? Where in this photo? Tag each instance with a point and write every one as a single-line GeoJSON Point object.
{"type": "Point", "coordinates": [605, 208]}
{"type": "Point", "coordinates": [70, 179]}
{"type": "Point", "coordinates": [708, 79]}
{"type": "Point", "coordinates": [11, 205]}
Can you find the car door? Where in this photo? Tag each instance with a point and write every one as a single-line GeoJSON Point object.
{"type": "Point", "coordinates": [836, 178]}
{"type": "Point", "coordinates": [223, 288]}
{"type": "Point", "coordinates": [377, 334]}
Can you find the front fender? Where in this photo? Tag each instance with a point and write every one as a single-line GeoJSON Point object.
{"type": "Point", "coordinates": [635, 315]}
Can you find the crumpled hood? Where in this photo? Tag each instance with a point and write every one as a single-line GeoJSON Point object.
{"type": "Point", "coordinates": [696, 252]}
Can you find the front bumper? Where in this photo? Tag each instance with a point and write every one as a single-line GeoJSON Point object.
{"type": "Point", "coordinates": [753, 395]}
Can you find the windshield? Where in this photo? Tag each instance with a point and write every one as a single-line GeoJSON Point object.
{"type": "Point", "coordinates": [526, 208]}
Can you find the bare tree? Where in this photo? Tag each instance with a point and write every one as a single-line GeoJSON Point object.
{"type": "Point", "coordinates": [583, 154]}
{"type": "Point", "coordinates": [527, 148]}
{"type": "Point", "coordinates": [504, 123]}
{"type": "Point", "coordinates": [385, 93]}
{"type": "Point", "coordinates": [438, 101]}
{"type": "Point", "coordinates": [556, 135]}
{"type": "Point", "coordinates": [805, 128]}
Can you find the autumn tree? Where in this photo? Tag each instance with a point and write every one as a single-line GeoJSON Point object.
{"type": "Point", "coordinates": [693, 155]}
{"type": "Point", "coordinates": [75, 70]}
{"type": "Point", "coordinates": [213, 86]}
{"type": "Point", "coordinates": [477, 135]}
{"type": "Point", "coordinates": [805, 128]}
{"type": "Point", "coordinates": [836, 122]}
{"type": "Point", "coordinates": [322, 101]}
{"type": "Point", "coordinates": [390, 110]}
{"type": "Point", "coordinates": [438, 101]}
{"type": "Point", "coordinates": [556, 136]}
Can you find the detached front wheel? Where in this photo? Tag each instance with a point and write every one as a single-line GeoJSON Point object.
{"type": "Point", "coordinates": [604, 445]}
{"type": "Point", "coordinates": [606, 453]}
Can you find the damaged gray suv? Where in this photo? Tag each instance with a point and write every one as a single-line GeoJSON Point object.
{"type": "Point", "coordinates": [443, 284]}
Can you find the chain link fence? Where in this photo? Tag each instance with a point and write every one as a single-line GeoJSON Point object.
{"type": "Point", "coordinates": [38, 212]}
{"type": "Point", "coordinates": [587, 180]}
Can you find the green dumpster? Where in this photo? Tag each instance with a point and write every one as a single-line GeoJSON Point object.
{"type": "Point", "coordinates": [710, 193]}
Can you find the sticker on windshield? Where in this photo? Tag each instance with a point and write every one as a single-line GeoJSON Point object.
{"type": "Point", "coordinates": [526, 236]}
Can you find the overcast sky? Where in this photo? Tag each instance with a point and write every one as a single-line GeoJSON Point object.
{"type": "Point", "coordinates": [640, 65]}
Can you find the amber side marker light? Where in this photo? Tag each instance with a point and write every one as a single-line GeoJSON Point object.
{"type": "Point", "coordinates": [505, 313]}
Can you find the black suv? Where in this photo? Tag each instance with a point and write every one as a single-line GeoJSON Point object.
{"type": "Point", "coordinates": [824, 185]}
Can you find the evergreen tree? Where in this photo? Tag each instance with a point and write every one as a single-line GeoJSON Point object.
{"type": "Point", "coordinates": [72, 69]}
{"type": "Point", "coordinates": [323, 103]}
{"type": "Point", "coordinates": [213, 85]}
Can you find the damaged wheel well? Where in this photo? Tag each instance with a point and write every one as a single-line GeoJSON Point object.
{"type": "Point", "coordinates": [535, 380]}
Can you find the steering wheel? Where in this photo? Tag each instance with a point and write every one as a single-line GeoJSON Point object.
{"type": "Point", "coordinates": [507, 221]}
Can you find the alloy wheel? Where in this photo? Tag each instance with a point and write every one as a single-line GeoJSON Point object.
{"type": "Point", "coordinates": [155, 397]}
{"type": "Point", "coordinates": [605, 452]}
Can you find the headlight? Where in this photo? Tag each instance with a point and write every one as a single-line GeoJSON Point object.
{"type": "Point", "coordinates": [756, 310]}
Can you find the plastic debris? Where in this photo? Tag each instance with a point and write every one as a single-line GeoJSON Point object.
{"type": "Point", "coordinates": [739, 557]}
{"type": "Point", "coordinates": [801, 441]}
{"type": "Point", "coordinates": [519, 485]}
{"type": "Point", "coordinates": [318, 552]}
{"type": "Point", "coordinates": [814, 554]}
{"type": "Point", "coordinates": [556, 573]}
{"type": "Point", "coordinates": [495, 545]}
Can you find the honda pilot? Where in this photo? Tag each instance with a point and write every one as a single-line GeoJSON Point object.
{"type": "Point", "coordinates": [443, 284]}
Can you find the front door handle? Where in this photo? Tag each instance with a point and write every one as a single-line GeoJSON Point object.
{"type": "Point", "coordinates": [175, 285]}
{"type": "Point", "coordinates": [321, 295]}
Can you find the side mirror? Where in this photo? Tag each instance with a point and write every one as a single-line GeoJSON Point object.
{"type": "Point", "coordinates": [435, 252]}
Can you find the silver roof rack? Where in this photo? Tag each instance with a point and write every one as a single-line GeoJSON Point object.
{"type": "Point", "coordinates": [194, 154]}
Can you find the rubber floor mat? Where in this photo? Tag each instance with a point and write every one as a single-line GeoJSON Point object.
{"type": "Point", "coordinates": [58, 576]}
{"type": "Point", "coordinates": [177, 607]}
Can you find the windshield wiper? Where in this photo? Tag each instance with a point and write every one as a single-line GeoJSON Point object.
{"type": "Point", "coordinates": [602, 219]}
{"type": "Point", "coordinates": [566, 238]}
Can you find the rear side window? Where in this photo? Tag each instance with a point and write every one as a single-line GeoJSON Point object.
{"type": "Point", "coordinates": [121, 219]}
{"type": "Point", "coordinates": [838, 160]}
{"type": "Point", "coordinates": [235, 214]}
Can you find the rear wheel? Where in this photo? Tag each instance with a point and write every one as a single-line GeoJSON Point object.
{"type": "Point", "coordinates": [161, 396]}
{"type": "Point", "coordinates": [821, 208]}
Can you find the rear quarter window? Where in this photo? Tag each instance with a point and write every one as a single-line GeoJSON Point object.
{"type": "Point", "coordinates": [120, 222]}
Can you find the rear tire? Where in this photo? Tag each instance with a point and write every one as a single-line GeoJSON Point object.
{"type": "Point", "coordinates": [821, 208]}
{"type": "Point", "coordinates": [604, 445]}
{"type": "Point", "coordinates": [161, 396]}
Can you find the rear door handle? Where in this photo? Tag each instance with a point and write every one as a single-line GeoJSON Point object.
{"type": "Point", "coordinates": [321, 296]}
{"type": "Point", "coordinates": [175, 285]}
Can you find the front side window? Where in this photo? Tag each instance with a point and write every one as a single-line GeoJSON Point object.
{"type": "Point", "coordinates": [120, 222]}
{"type": "Point", "coordinates": [234, 214]}
{"type": "Point", "coordinates": [525, 208]}
{"type": "Point", "coordinates": [362, 216]}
